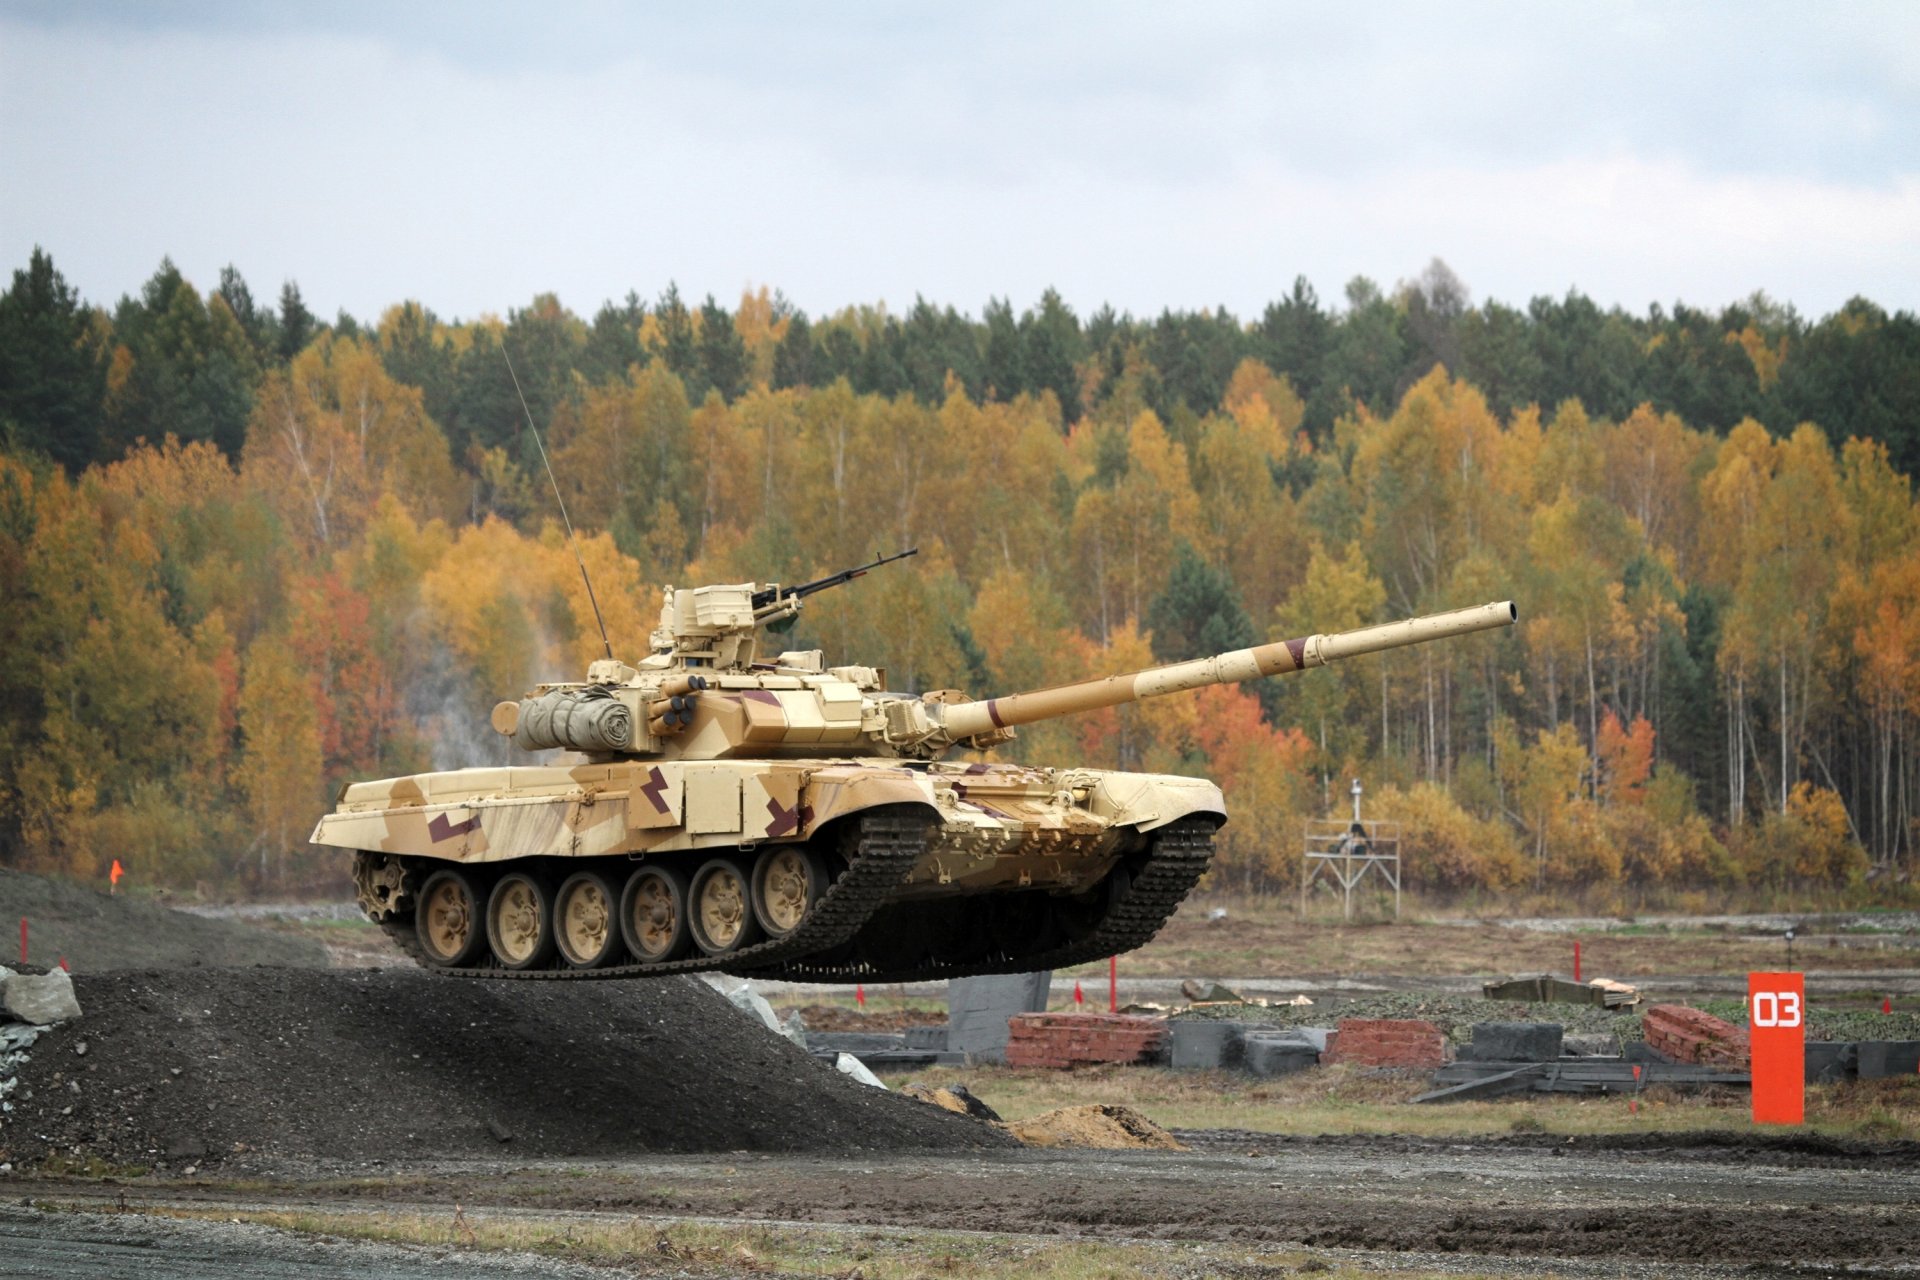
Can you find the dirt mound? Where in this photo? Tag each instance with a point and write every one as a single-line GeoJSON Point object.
{"type": "Point", "coordinates": [955, 1098]}
{"type": "Point", "coordinates": [96, 932]}
{"type": "Point", "coordinates": [1102, 1126]}
{"type": "Point", "coordinates": [189, 1066]}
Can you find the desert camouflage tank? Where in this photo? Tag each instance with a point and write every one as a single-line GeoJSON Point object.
{"type": "Point", "coordinates": [780, 817]}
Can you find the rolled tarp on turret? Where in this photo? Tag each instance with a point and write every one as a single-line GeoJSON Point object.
{"type": "Point", "coordinates": [576, 719]}
{"type": "Point", "coordinates": [965, 719]}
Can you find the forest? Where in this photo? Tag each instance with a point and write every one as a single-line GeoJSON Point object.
{"type": "Point", "coordinates": [249, 554]}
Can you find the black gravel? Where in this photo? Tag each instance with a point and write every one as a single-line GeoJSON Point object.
{"type": "Point", "coordinates": [189, 1067]}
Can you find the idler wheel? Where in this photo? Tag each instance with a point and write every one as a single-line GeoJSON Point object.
{"type": "Point", "coordinates": [447, 921]}
{"type": "Point", "coordinates": [722, 915]}
{"type": "Point", "coordinates": [653, 915]}
{"type": "Point", "coordinates": [520, 921]}
{"type": "Point", "coordinates": [787, 880]}
{"type": "Point", "coordinates": [586, 915]}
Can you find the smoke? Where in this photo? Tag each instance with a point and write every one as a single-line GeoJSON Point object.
{"type": "Point", "coordinates": [452, 710]}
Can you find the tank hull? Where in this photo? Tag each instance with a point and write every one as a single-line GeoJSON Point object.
{"type": "Point", "coordinates": [1028, 857]}
{"type": "Point", "coordinates": [998, 825]}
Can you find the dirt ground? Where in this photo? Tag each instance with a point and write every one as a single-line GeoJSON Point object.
{"type": "Point", "coordinates": [94, 931]}
{"type": "Point", "coordinates": [1724, 1204]}
{"type": "Point", "coordinates": [1264, 937]}
{"type": "Point", "coordinates": [648, 1128]}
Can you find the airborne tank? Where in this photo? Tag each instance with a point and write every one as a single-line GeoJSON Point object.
{"type": "Point", "coordinates": [779, 817]}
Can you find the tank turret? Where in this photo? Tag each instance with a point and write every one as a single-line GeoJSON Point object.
{"type": "Point", "coordinates": [705, 694]}
{"type": "Point", "coordinates": [766, 813]}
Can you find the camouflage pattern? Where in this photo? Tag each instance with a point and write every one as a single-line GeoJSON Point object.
{"type": "Point", "coordinates": [730, 753]}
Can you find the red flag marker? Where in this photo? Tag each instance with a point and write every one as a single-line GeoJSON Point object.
{"type": "Point", "coordinates": [860, 994]}
{"type": "Point", "coordinates": [1886, 1004]}
{"type": "Point", "coordinates": [1633, 1103]}
{"type": "Point", "coordinates": [63, 965]}
{"type": "Point", "coordinates": [1576, 960]}
{"type": "Point", "coordinates": [1113, 984]}
{"type": "Point", "coordinates": [113, 876]}
{"type": "Point", "coordinates": [1079, 996]}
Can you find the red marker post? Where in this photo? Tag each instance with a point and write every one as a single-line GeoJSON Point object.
{"type": "Point", "coordinates": [1113, 984]}
{"type": "Point", "coordinates": [1576, 960]}
{"type": "Point", "coordinates": [1777, 1037]}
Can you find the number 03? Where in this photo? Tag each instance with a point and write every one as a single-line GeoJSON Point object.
{"type": "Point", "coordinates": [1776, 1008]}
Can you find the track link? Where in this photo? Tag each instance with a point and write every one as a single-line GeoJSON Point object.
{"type": "Point", "coordinates": [890, 842]}
{"type": "Point", "coordinates": [1177, 859]}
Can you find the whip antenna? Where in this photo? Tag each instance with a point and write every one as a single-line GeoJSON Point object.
{"type": "Point", "coordinates": [565, 519]}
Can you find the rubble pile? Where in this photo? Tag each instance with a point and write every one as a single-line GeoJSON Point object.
{"type": "Point", "coordinates": [31, 1005]}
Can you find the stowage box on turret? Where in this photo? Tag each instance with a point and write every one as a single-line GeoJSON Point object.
{"type": "Point", "coordinates": [780, 817]}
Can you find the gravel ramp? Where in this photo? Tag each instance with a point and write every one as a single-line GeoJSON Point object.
{"type": "Point", "coordinates": [192, 1067]}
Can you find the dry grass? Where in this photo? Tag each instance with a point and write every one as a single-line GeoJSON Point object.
{"type": "Point", "coordinates": [1345, 1099]}
{"type": "Point", "coordinates": [1263, 937]}
{"type": "Point", "coordinates": [642, 1246]}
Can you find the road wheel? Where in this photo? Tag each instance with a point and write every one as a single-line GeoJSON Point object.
{"type": "Point", "coordinates": [520, 921]}
{"type": "Point", "coordinates": [447, 920]}
{"type": "Point", "coordinates": [787, 881]}
{"type": "Point", "coordinates": [722, 908]}
{"type": "Point", "coordinates": [586, 914]}
{"type": "Point", "coordinates": [653, 915]}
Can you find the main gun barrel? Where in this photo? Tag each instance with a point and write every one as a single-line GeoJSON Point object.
{"type": "Point", "coordinates": [965, 719]}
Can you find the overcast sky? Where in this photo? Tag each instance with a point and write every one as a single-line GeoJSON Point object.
{"type": "Point", "coordinates": [1187, 155]}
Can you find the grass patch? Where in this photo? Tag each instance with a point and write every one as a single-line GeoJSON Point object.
{"type": "Point", "coordinates": [645, 1247]}
{"type": "Point", "coordinates": [89, 1167]}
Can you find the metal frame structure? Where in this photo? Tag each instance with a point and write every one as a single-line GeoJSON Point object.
{"type": "Point", "coordinates": [1344, 853]}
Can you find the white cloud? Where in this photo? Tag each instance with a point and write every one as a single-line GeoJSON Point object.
{"type": "Point", "coordinates": [1120, 154]}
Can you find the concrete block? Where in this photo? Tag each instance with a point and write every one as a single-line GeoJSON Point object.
{"type": "Point", "coordinates": [931, 1038]}
{"type": "Point", "coordinates": [856, 1042]}
{"type": "Point", "coordinates": [1589, 1044]}
{"type": "Point", "coordinates": [1517, 1041]}
{"type": "Point", "coordinates": [1643, 1053]}
{"type": "Point", "coordinates": [40, 999]}
{"type": "Point", "coordinates": [1268, 1054]}
{"type": "Point", "coordinates": [1829, 1061]}
{"type": "Point", "coordinates": [978, 1009]}
{"type": "Point", "coordinates": [1880, 1059]}
{"type": "Point", "coordinates": [1315, 1036]}
{"type": "Point", "coordinates": [1203, 1044]}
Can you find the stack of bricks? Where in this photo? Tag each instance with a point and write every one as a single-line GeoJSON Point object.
{"type": "Point", "coordinates": [1387, 1042]}
{"type": "Point", "coordinates": [1062, 1040]}
{"type": "Point", "coordinates": [1689, 1035]}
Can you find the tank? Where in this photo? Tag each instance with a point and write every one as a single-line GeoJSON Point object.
{"type": "Point", "coordinates": [772, 815]}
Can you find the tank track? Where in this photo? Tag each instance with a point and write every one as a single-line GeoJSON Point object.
{"type": "Point", "coordinates": [1178, 858]}
{"type": "Point", "coordinates": [888, 846]}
